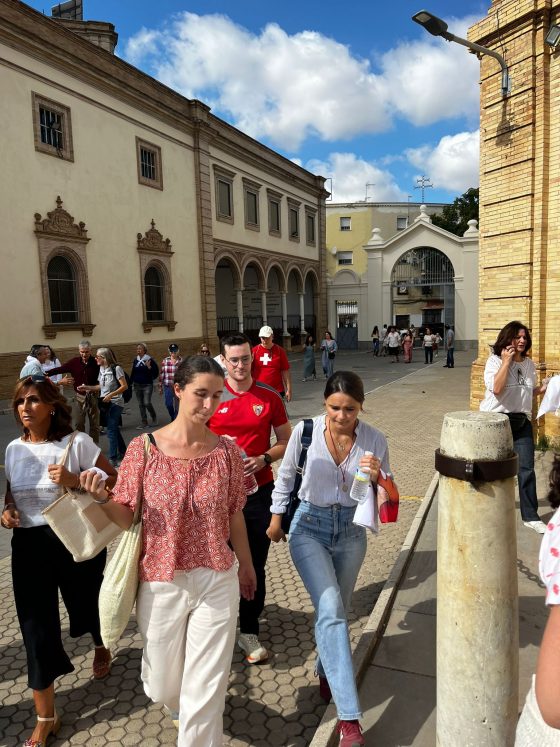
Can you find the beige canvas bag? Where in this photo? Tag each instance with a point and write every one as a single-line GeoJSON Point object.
{"type": "Point", "coordinates": [79, 522]}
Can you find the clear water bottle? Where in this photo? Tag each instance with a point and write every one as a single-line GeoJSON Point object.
{"type": "Point", "coordinates": [251, 484]}
{"type": "Point", "coordinates": [362, 478]}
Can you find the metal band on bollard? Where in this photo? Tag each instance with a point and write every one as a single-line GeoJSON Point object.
{"type": "Point", "coordinates": [478, 470]}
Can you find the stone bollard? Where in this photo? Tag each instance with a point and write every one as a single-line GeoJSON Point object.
{"type": "Point", "coordinates": [477, 600]}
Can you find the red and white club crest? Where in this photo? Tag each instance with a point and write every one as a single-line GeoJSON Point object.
{"type": "Point", "coordinates": [257, 409]}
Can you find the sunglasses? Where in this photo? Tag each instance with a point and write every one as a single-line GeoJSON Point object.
{"type": "Point", "coordinates": [36, 378]}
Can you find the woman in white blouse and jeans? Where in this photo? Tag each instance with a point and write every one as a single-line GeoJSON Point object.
{"type": "Point", "coordinates": [326, 546]}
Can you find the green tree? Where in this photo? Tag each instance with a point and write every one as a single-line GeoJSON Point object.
{"type": "Point", "coordinates": [455, 218]}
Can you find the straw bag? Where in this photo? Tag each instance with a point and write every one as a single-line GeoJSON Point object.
{"type": "Point", "coordinates": [120, 581]}
{"type": "Point", "coordinates": [79, 522]}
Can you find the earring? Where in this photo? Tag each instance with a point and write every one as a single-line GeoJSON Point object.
{"type": "Point", "coordinates": [53, 412]}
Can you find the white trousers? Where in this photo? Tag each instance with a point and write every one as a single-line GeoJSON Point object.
{"type": "Point", "coordinates": [188, 628]}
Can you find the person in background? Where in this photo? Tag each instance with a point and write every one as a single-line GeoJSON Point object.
{"type": "Point", "coordinates": [193, 494]}
{"type": "Point", "coordinates": [166, 386]}
{"type": "Point", "coordinates": [249, 412]}
{"type": "Point", "coordinates": [271, 365]}
{"type": "Point", "coordinates": [393, 343]}
{"type": "Point", "coordinates": [539, 723]}
{"type": "Point", "coordinates": [82, 369]}
{"type": "Point", "coordinates": [328, 354]}
{"type": "Point", "coordinates": [428, 345]}
{"type": "Point", "coordinates": [309, 371]}
{"type": "Point", "coordinates": [41, 564]}
{"type": "Point", "coordinates": [327, 548]}
{"type": "Point", "coordinates": [34, 362]}
{"type": "Point", "coordinates": [437, 342]}
{"type": "Point", "coordinates": [53, 362]}
{"type": "Point", "coordinates": [375, 341]}
{"type": "Point", "coordinates": [407, 343]}
{"type": "Point", "coordinates": [204, 350]}
{"type": "Point", "coordinates": [450, 346]}
{"type": "Point", "coordinates": [112, 384]}
{"type": "Point", "coordinates": [144, 371]}
{"type": "Point", "coordinates": [510, 378]}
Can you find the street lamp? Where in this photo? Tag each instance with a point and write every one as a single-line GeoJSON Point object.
{"type": "Point", "coordinates": [553, 36]}
{"type": "Point", "coordinates": [437, 27]}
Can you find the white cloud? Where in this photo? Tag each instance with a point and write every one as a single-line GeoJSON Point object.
{"type": "Point", "coordinates": [453, 164]}
{"type": "Point", "coordinates": [284, 88]}
{"type": "Point", "coordinates": [350, 175]}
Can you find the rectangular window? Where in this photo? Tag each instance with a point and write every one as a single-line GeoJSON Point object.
{"type": "Point", "coordinates": [148, 159]}
{"type": "Point", "coordinates": [223, 194]}
{"type": "Point", "coordinates": [274, 212]}
{"type": "Point", "coordinates": [345, 258]}
{"type": "Point", "coordinates": [52, 128]}
{"type": "Point", "coordinates": [402, 222]}
{"type": "Point", "coordinates": [345, 224]}
{"type": "Point", "coordinates": [310, 227]}
{"type": "Point", "coordinates": [293, 219]}
{"type": "Point", "coordinates": [251, 194]}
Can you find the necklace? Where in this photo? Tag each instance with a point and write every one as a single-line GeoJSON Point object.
{"type": "Point", "coordinates": [338, 444]}
{"type": "Point", "coordinates": [341, 465]}
{"type": "Point", "coordinates": [343, 471]}
{"type": "Point", "coordinates": [198, 451]}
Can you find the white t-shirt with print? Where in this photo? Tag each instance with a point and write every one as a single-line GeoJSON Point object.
{"type": "Point", "coordinates": [27, 473]}
{"type": "Point", "coordinates": [517, 395]}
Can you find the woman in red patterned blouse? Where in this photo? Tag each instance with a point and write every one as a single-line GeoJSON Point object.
{"type": "Point", "coordinates": [193, 494]}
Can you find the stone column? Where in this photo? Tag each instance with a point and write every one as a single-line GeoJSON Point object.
{"type": "Point", "coordinates": [284, 314]}
{"type": "Point", "coordinates": [477, 609]}
{"type": "Point", "coordinates": [264, 312]}
{"type": "Point", "coordinates": [302, 315]}
{"type": "Point", "coordinates": [239, 294]}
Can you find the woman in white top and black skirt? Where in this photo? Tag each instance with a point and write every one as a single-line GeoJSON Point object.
{"type": "Point", "coordinates": [510, 378]}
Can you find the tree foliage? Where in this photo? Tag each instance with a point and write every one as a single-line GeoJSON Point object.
{"type": "Point", "coordinates": [455, 218]}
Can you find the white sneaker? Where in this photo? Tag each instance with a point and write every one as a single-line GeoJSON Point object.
{"type": "Point", "coordinates": [536, 526]}
{"type": "Point", "coordinates": [252, 647]}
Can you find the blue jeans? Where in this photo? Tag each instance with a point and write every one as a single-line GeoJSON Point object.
{"type": "Point", "coordinates": [450, 358]}
{"type": "Point", "coordinates": [170, 401]}
{"type": "Point", "coordinates": [117, 446]}
{"type": "Point", "coordinates": [328, 550]}
{"type": "Point", "coordinates": [524, 447]}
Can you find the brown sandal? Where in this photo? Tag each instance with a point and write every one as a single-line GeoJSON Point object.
{"type": "Point", "coordinates": [101, 663]}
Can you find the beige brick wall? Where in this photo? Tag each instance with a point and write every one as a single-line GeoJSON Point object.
{"type": "Point", "coordinates": [520, 186]}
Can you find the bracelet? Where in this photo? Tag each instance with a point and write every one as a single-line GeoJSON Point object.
{"type": "Point", "coordinates": [103, 501]}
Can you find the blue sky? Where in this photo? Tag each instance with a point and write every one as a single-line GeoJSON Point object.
{"type": "Point", "coordinates": [356, 92]}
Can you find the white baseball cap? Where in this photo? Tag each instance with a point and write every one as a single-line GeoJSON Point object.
{"type": "Point", "coordinates": [266, 331]}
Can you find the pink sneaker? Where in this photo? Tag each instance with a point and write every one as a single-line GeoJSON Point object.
{"type": "Point", "coordinates": [350, 734]}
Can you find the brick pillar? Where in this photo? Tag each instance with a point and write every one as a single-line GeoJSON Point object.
{"type": "Point", "coordinates": [519, 184]}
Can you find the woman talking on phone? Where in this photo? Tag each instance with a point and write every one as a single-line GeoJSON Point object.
{"type": "Point", "coordinates": [510, 378]}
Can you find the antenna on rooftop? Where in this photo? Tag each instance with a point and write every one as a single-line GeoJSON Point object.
{"type": "Point", "coordinates": [423, 183]}
{"type": "Point", "coordinates": [369, 184]}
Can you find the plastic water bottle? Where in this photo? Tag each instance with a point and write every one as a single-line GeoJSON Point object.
{"type": "Point", "coordinates": [362, 478]}
{"type": "Point", "coordinates": [251, 484]}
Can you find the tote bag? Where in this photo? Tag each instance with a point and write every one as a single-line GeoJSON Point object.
{"type": "Point", "coordinates": [79, 522]}
{"type": "Point", "coordinates": [120, 581]}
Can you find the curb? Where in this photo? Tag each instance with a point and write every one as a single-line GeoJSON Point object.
{"type": "Point", "coordinates": [374, 628]}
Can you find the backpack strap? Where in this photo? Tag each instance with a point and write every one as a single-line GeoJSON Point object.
{"type": "Point", "coordinates": [306, 438]}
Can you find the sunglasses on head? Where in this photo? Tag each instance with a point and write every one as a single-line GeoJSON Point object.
{"type": "Point", "coordinates": [35, 378]}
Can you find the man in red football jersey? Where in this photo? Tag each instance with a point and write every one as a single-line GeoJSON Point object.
{"type": "Point", "coordinates": [249, 410]}
{"type": "Point", "coordinates": [271, 365]}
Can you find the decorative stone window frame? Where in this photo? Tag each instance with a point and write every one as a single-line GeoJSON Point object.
{"type": "Point", "coordinates": [155, 251]}
{"type": "Point", "coordinates": [66, 153]}
{"type": "Point", "coordinates": [251, 188]}
{"type": "Point", "coordinates": [156, 183]}
{"type": "Point", "coordinates": [274, 198]}
{"type": "Point", "coordinates": [59, 236]}
{"type": "Point", "coordinates": [310, 220]}
{"type": "Point", "coordinates": [227, 177]}
{"type": "Point", "coordinates": [293, 208]}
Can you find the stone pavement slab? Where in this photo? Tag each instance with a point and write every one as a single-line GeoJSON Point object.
{"type": "Point", "coordinates": [276, 703]}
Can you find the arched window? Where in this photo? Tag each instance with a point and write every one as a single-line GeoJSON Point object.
{"type": "Point", "coordinates": [154, 293]}
{"type": "Point", "coordinates": [63, 295]}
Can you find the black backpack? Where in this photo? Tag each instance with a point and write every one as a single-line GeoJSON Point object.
{"type": "Point", "coordinates": [127, 394]}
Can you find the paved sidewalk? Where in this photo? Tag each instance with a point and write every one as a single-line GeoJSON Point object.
{"type": "Point", "coordinates": [276, 703]}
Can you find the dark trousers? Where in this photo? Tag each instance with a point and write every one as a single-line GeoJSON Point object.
{"type": "Point", "coordinates": [524, 447]}
{"type": "Point", "coordinates": [450, 358]}
{"type": "Point", "coordinates": [171, 401]}
{"type": "Point", "coordinates": [41, 565]}
{"type": "Point", "coordinates": [257, 517]}
{"type": "Point", "coordinates": [144, 397]}
{"type": "Point", "coordinates": [428, 354]}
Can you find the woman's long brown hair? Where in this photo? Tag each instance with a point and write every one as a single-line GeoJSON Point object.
{"type": "Point", "coordinates": [61, 421]}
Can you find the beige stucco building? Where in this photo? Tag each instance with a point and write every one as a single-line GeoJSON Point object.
{"type": "Point", "coordinates": [388, 264]}
{"type": "Point", "coordinates": [132, 213]}
{"type": "Point", "coordinates": [520, 184]}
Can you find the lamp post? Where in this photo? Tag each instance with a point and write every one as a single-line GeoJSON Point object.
{"type": "Point", "coordinates": [437, 27]}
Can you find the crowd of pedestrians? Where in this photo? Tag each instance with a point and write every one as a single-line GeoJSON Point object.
{"type": "Point", "coordinates": [210, 506]}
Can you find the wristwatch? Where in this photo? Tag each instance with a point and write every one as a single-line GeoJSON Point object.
{"type": "Point", "coordinates": [267, 458]}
